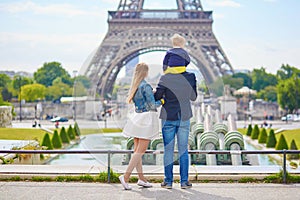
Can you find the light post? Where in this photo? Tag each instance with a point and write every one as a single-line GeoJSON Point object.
{"type": "Point", "coordinates": [74, 97]}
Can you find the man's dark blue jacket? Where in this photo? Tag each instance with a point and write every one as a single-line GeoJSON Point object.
{"type": "Point", "coordinates": [177, 90]}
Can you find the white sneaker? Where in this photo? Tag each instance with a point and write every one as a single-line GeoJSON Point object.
{"type": "Point", "coordinates": [125, 185]}
{"type": "Point", "coordinates": [144, 184]}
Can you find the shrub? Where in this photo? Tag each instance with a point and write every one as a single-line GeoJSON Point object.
{"type": "Point", "coordinates": [263, 136]}
{"type": "Point", "coordinates": [77, 130]}
{"type": "Point", "coordinates": [281, 143]}
{"type": "Point", "coordinates": [47, 142]}
{"type": "Point", "coordinates": [271, 140]}
{"type": "Point", "coordinates": [114, 177]}
{"type": "Point", "coordinates": [71, 133]}
{"type": "Point", "coordinates": [293, 147]}
{"type": "Point", "coordinates": [63, 136]}
{"type": "Point", "coordinates": [56, 141]}
{"type": "Point", "coordinates": [255, 132]}
{"type": "Point", "coordinates": [249, 130]}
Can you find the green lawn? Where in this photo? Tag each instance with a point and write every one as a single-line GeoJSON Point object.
{"type": "Point", "coordinates": [288, 134]}
{"type": "Point", "coordinates": [21, 134]}
{"type": "Point", "coordinates": [38, 134]}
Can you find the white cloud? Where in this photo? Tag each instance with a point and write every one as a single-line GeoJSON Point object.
{"type": "Point", "coordinates": [225, 3]}
{"type": "Point", "coordinates": [51, 9]}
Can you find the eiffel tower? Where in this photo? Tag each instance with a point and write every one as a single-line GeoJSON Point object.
{"type": "Point", "coordinates": [134, 31]}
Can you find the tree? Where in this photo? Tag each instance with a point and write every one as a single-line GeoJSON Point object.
{"type": "Point", "coordinates": [234, 82]}
{"type": "Point", "coordinates": [293, 147]}
{"type": "Point", "coordinates": [47, 142]}
{"type": "Point", "coordinates": [4, 80]}
{"type": "Point", "coordinates": [56, 141]}
{"type": "Point", "coordinates": [84, 80]}
{"type": "Point", "coordinates": [19, 81]}
{"type": "Point", "coordinates": [77, 129]}
{"type": "Point", "coordinates": [71, 133]}
{"type": "Point", "coordinates": [249, 130]}
{"type": "Point", "coordinates": [247, 80]}
{"type": "Point", "coordinates": [269, 93]}
{"type": "Point", "coordinates": [271, 140]}
{"type": "Point", "coordinates": [255, 132]}
{"type": "Point", "coordinates": [63, 135]}
{"type": "Point", "coordinates": [262, 79]}
{"type": "Point", "coordinates": [287, 71]}
{"type": "Point", "coordinates": [288, 91]}
{"type": "Point", "coordinates": [58, 89]}
{"type": "Point", "coordinates": [263, 136]}
{"type": "Point", "coordinates": [282, 144]}
{"type": "Point", "coordinates": [33, 92]}
{"type": "Point", "coordinates": [49, 72]}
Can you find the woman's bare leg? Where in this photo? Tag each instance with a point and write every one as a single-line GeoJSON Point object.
{"type": "Point", "coordinates": [136, 158]}
{"type": "Point", "coordinates": [139, 166]}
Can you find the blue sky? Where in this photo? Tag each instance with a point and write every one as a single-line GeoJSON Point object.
{"type": "Point", "coordinates": [253, 33]}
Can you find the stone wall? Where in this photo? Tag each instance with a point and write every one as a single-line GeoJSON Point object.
{"type": "Point", "coordinates": [5, 116]}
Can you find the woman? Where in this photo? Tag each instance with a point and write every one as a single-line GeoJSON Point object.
{"type": "Point", "coordinates": [143, 125]}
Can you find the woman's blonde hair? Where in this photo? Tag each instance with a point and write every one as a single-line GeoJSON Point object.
{"type": "Point", "coordinates": [178, 40]}
{"type": "Point", "coordinates": [140, 72]}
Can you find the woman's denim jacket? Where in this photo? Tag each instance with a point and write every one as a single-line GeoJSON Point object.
{"type": "Point", "coordinates": [144, 99]}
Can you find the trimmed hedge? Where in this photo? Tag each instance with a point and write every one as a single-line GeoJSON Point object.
{"type": "Point", "coordinates": [63, 136]}
{"type": "Point", "coordinates": [47, 142]}
{"type": "Point", "coordinates": [293, 147]}
{"type": "Point", "coordinates": [271, 140]}
{"type": "Point", "coordinates": [71, 133]}
{"type": "Point", "coordinates": [77, 130]}
{"type": "Point", "coordinates": [255, 132]}
{"type": "Point", "coordinates": [56, 141]}
{"type": "Point", "coordinates": [249, 130]}
{"type": "Point", "coordinates": [282, 144]}
{"type": "Point", "coordinates": [263, 136]}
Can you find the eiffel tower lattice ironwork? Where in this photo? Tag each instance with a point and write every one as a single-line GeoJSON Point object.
{"type": "Point", "coordinates": [134, 31]}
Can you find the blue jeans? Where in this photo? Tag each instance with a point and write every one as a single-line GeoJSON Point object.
{"type": "Point", "coordinates": [169, 130]}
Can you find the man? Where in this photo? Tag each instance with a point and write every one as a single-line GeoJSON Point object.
{"type": "Point", "coordinates": [177, 88]}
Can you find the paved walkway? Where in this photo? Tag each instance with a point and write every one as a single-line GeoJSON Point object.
{"type": "Point", "coordinates": [92, 191]}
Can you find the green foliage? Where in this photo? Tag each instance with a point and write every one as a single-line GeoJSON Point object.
{"type": "Point", "coordinates": [71, 133]}
{"type": "Point", "coordinates": [263, 136]}
{"type": "Point", "coordinates": [282, 144]}
{"type": "Point", "coordinates": [234, 81]}
{"type": "Point", "coordinates": [49, 72]}
{"type": "Point", "coordinates": [84, 80]}
{"type": "Point", "coordinates": [261, 79]}
{"type": "Point", "coordinates": [247, 80]}
{"type": "Point", "coordinates": [4, 80]}
{"type": "Point", "coordinates": [80, 90]}
{"type": "Point", "coordinates": [77, 129]}
{"type": "Point", "coordinates": [247, 180]}
{"type": "Point", "coordinates": [271, 140]}
{"type": "Point", "coordinates": [114, 177]}
{"type": "Point", "coordinates": [249, 130]}
{"type": "Point", "coordinates": [278, 178]}
{"type": "Point", "coordinates": [41, 179]}
{"type": "Point", "coordinates": [56, 141]}
{"type": "Point", "coordinates": [287, 71]}
{"type": "Point", "coordinates": [63, 135]}
{"type": "Point", "coordinates": [58, 89]}
{"type": "Point", "coordinates": [293, 146]}
{"type": "Point", "coordinates": [255, 132]}
{"type": "Point", "coordinates": [33, 92]}
{"type": "Point", "coordinates": [269, 93]}
{"type": "Point", "coordinates": [19, 81]}
{"type": "Point", "coordinates": [47, 142]}
{"type": "Point", "coordinates": [288, 91]}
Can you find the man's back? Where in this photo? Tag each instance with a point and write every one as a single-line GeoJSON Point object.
{"type": "Point", "coordinates": [177, 90]}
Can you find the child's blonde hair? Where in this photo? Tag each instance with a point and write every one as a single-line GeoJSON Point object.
{"type": "Point", "coordinates": [140, 72]}
{"type": "Point", "coordinates": [178, 40]}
